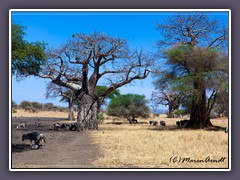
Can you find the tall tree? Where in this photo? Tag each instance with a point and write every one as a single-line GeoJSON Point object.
{"type": "Point", "coordinates": [194, 39]}
{"type": "Point", "coordinates": [84, 60]}
{"type": "Point", "coordinates": [27, 57]}
{"type": "Point", "coordinates": [201, 74]}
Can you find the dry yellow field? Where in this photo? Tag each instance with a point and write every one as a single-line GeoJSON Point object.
{"type": "Point", "coordinates": [146, 146]}
{"type": "Point", "coordinates": [123, 145]}
{"type": "Point", "coordinates": [22, 113]}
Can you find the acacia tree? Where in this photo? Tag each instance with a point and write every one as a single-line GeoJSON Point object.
{"type": "Point", "coordinates": [129, 106]}
{"type": "Point", "coordinates": [193, 38]}
{"type": "Point", "coordinates": [84, 60]}
{"type": "Point", "coordinates": [101, 89]}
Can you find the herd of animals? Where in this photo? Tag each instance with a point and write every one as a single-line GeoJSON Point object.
{"type": "Point", "coordinates": [37, 139]}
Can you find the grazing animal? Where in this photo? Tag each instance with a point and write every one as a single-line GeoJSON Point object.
{"type": "Point", "coordinates": [73, 127]}
{"type": "Point", "coordinates": [21, 126]}
{"type": "Point", "coordinates": [162, 123]}
{"type": "Point", "coordinates": [35, 138]}
{"type": "Point", "coordinates": [153, 123]}
{"type": "Point", "coordinates": [183, 123]}
{"type": "Point", "coordinates": [56, 126]}
{"type": "Point", "coordinates": [178, 123]}
{"type": "Point", "coordinates": [133, 121]}
{"type": "Point", "coordinates": [65, 126]}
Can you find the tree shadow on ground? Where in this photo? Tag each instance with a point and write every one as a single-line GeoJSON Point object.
{"type": "Point", "coordinates": [119, 123]}
{"type": "Point", "coordinates": [175, 128]}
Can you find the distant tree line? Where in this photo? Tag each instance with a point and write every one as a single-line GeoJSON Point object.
{"type": "Point", "coordinates": [36, 107]}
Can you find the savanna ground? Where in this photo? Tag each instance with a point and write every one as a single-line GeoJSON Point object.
{"type": "Point", "coordinates": [117, 144]}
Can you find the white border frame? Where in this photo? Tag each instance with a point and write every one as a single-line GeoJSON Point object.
{"type": "Point", "coordinates": [116, 10]}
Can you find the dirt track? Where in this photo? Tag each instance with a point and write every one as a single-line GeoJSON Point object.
{"type": "Point", "coordinates": [63, 149]}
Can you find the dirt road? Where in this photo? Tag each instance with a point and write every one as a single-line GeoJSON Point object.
{"type": "Point", "coordinates": [63, 149]}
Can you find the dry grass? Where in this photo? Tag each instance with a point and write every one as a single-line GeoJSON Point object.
{"type": "Point", "coordinates": [53, 114]}
{"type": "Point", "coordinates": [127, 146]}
{"type": "Point", "coordinates": [143, 146]}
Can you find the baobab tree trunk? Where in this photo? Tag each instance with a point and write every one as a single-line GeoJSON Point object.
{"type": "Point", "coordinates": [71, 110]}
{"type": "Point", "coordinates": [87, 113]}
{"type": "Point", "coordinates": [199, 116]}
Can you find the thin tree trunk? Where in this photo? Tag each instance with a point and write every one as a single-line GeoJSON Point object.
{"type": "Point", "coordinates": [71, 110]}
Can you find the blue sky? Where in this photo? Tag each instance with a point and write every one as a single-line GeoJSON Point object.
{"type": "Point", "coordinates": [54, 28]}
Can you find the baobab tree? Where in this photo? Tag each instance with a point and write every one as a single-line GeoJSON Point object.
{"type": "Point", "coordinates": [194, 42]}
{"type": "Point", "coordinates": [196, 29]}
{"type": "Point", "coordinates": [85, 60]}
{"type": "Point", "coordinates": [67, 95]}
{"type": "Point", "coordinates": [166, 93]}
{"type": "Point", "coordinates": [168, 98]}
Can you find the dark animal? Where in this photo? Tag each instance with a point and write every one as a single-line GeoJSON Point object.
{"type": "Point", "coordinates": [73, 127]}
{"type": "Point", "coordinates": [65, 126]}
{"type": "Point", "coordinates": [184, 123]}
{"type": "Point", "coordinates": [133, 121]}
{"type": "Point", "coordinates": [57, 126]}
{"type": "Point", "coordinates": [162, 123]}
{"type": "Point", "coordinates": [153, 123]}
{"type": "Point", "coordinates": [35, 138]}
{"type": "Point", "coordinates": [178, 123]}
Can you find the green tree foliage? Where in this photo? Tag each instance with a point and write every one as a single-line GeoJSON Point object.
{"type": "Point", "coordinates": [196, 68]}
{"type": "Point", "coordinates": [27, 57]}
{"type": "Point", "coordinates": [196, 46]}
{"type": "Point", "coordinates": [49, 106]}
{"type": "Point", "coordinates": [102, 89]}
{"type": "Point", "coordinates": [129, 106]}
{"type": "Point", "coordinates": [36, 106]}
{"type": "Point", "coordinates": [25, 104]}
